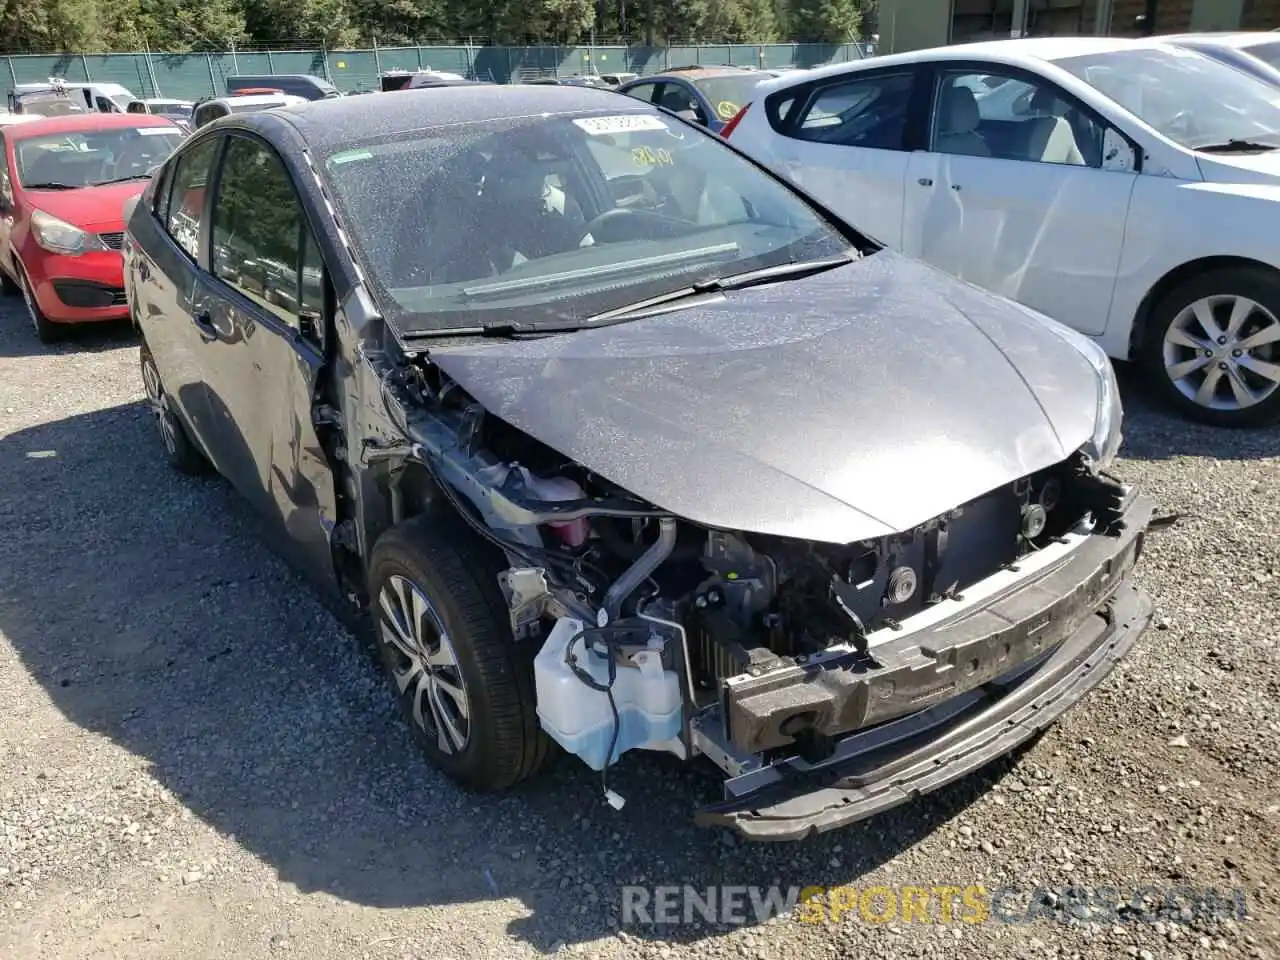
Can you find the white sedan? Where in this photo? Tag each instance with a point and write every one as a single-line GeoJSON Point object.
{"type": "Point", "coordinates": [1128, 188]}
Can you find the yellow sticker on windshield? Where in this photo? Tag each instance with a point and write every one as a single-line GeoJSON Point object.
{"type": "Point", "coordinates": [726, 109]}
{"type": "Point", "coordinates": [648, 157]}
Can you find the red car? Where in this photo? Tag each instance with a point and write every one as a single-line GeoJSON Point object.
{"type": "Point", "coordinates": [64, 182]}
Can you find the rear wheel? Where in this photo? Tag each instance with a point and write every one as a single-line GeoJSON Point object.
{"type": "Point", "coordinates": [444, 639]}
{"type": "Point", "coordinates": [1213, 347]}
{"type": "Point", "coordinates": [179, 449]}
{"type": "Point", "coordinates": [45, 330]}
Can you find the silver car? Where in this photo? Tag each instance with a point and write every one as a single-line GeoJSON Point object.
{"type": "Point", "coordinates": [625, 445]}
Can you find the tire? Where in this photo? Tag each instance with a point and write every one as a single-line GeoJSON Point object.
{"type": "Point", "coordinates": [1239, 395]}
{"type": "Point", "coordinates": [454, 577]}
{"type": "Point", "coordinates": [179, 449]}
{"type": "Point", "coordinates": [45, 330]}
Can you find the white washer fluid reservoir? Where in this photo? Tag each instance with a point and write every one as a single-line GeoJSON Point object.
{"type": "Point", "coordinates": [578, 717]}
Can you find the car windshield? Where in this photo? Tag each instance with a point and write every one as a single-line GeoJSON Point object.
{"type": "Point", "coordinates": [727, 94]}
{"type": "Point", "coordinates": [1268, 53]}
{"type": "Point", "coordinates": [551, 220]}
{"type": "Point", "coordinates": [1192, 99]}
{"type": "Point", "coordinates": [49, 104]}
{"type": "Point", "coordinates": [89, 158]}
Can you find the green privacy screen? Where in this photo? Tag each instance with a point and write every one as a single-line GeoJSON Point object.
{"type": "Point", "coordinates": [189, 76]}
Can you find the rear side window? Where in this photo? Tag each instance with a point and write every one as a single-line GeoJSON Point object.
{"type": "Point", "coordinates": [262, 245]}
{"type": "Point", "coordinates": [863, 112]}
{"type": "Point", "coordinates": [186, 200]}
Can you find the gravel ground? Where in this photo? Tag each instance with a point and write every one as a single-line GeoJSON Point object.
{"type": "Point", "coordinates": [198, 761]}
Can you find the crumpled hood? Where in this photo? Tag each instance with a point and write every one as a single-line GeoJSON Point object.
{"type": "Point", "coordinates": [849, 405]}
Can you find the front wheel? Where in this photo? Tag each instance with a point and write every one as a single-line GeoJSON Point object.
{"type": "Point", "coordinates": [45, 330]}
{"type": "Point", "coordinates": [444, 639]}
{"type": "Point", "coordinates": [1213, 347]}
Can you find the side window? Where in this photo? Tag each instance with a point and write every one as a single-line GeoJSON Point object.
{"type": "Point", "coordinates": [643, 91]}
{"type": "Point", "coordinates": [159, 188]}
{"type": "Point", "coordinates": [137, 107]}
{"type": "Point", "coordinates": [104, 105]}
{"type": "Point", "coordinates": [1013, 118]}
{"type": "Point", "coordinates": [866, 112]}
{"type": "Point", "coordinates": [260, 238]}
{"type": "Point", "coordinates": [186, 199]}
{"type": "Point", "coordinates": [678, 98]}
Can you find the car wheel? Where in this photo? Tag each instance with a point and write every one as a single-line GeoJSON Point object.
{"type": "Point", "coordinates": [444, 638]}
{"type": "Point", "coordinates": [1213, 347]}
{"type": "Point", "coordinates": [179, 449]}
{"type": "Point", "coordinates": [45, 330]}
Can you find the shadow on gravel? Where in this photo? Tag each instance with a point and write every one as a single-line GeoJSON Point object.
{"type": "Point", "coordinates": [150, 612]}
{"type": "Point", "coordinates": [85, 338]}
{"type": "Point", "coordinates": [1154, 432]}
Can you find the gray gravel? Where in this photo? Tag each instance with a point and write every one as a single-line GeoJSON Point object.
{"type": "Point", "coordinates": [197, 760]}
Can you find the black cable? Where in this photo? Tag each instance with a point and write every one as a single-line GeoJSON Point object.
{"type": "Point", "coordinates": [607, 689]}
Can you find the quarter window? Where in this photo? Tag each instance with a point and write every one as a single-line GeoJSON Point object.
{"type": "Point", "coordinates": [642, 91]}
{"type": "Point", "coordinates": [186, 202]}
{"type": "Point", "coordinates": [1013, 118]}
{"type": "Point", "coordinates": [867, 112]}
{"type": "Point", "coordinates": [262, 245]}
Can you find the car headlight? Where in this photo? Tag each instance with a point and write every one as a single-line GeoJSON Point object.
{"type": "Point", "coordinates": [1107, 436]}
{"type": "Point", "coordinates": [58, 236]}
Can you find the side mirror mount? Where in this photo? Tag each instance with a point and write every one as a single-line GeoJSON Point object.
{"type": "Point", "coordinates": [1118, 153]}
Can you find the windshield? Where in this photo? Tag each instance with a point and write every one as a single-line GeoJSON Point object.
{"type": "Point", "coordinates": [171, 109]}
{"type": "Point", "coordinates": [49, 104]}
{"type": "Point", "coordinates": [554, 219]}
{"type": "Point", "coordinates": [1268, 53]}
{"type": "Point", "coordinates": [1188, 97]}
{"type": "Point", "coordinates": [728, 94]}
{"type": "Point", "coordinates": [89, 158]}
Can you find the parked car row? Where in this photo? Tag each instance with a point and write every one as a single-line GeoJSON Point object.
{"type": "Point", "coordinates": [625, 443]}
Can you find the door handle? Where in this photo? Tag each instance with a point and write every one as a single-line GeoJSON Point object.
{"type": "Point", "coordinates": [204, 323]}
{"type": "Point", "coordinates": [925, 181]}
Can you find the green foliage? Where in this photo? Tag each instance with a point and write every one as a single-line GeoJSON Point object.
{"type": "Point", "coordinates": [85, 26]}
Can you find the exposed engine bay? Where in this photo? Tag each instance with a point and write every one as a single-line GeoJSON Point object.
{"type": "Point", "coordinates": [649, 626]}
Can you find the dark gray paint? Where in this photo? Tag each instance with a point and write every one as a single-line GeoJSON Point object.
{"type": "Point", "coordinates": [853, 404]}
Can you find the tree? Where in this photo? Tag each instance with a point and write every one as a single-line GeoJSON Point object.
{"type": "Point", "coordinates": [823, 21]}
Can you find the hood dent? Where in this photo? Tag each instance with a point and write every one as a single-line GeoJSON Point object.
{"type": "Point", "coordinates": [849, 405]}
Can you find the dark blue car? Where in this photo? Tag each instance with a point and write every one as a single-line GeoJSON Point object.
{"type": "Point", "coordinates": [706, 95]}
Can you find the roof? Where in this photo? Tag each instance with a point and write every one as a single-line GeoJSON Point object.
{"type": "Point", "coordinates": [1025, 50]}
{"type": "Point", "coordinates": [258, 99]}
{"type": "Point", "coordinates": [326, 124]}
{"type": "Point", "coordinates": [703, 73]}
{"type": "Point", "coordinates": [1239, 40]}
{"type": "Point", "coordinates": [7, 119]}
{"type": "Point", "coordinates": [89, 122]}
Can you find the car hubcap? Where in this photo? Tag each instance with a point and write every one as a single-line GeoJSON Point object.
{"type": "Point", "coordinates": [1223, 352]}
{"type": "Point", "coordinates": [159, 405]}
{"type": "Point", "coordinates": [427, 669]}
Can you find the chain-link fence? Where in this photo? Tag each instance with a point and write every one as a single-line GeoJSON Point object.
{"type": "Point", "coordinates": [193, 75]}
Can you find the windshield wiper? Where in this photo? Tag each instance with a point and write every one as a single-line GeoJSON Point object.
{"type": "Point", "coordinates": [738, 281]}
{"type": "Point", "coordinates": [1236, 146]}
{"type": "Point", "coordinates": [135, 176]}
{"type": "Point", "coordinates": [50, 186]}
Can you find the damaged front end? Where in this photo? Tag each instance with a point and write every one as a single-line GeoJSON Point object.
{"type": "Point", "coordinates": [827, 682]}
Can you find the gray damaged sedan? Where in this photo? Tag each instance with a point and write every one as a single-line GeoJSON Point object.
{"type": "Point", "coordinates": [626, 446]}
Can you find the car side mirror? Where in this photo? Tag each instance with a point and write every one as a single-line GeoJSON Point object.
{"type": "Point", "coordinates": [690, 115]}
{"type": "Point", "coordinates": [1117, 152]}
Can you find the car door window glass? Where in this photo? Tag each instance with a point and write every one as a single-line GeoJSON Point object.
{"type": "Point", "coordinates": [680, 99]}
{"type": "Point", "coordinates": [981, 114]}
{"type": "Point", "coordinates": [258, 228]}
{"type": "Point", "coordinates": [186, 202]}
{"type": "Point", "coordinates": [867, 112]}
{"type": "Point", "coordinates": [643, 91]}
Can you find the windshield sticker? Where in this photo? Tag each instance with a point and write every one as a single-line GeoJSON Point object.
{"type": "Point", "coordinates": [726, 109]}
{"type": "Point", "coordinates": [646, 157]}
{"type": "Point", "coordinates": [347, 156]}
{"type": "Point", "coordinates": [625, 123]}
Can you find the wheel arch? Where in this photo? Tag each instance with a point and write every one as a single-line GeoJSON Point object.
{"type": "Point", "coordinates": [1179, 275]}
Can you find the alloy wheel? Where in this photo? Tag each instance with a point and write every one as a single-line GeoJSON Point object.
{"type": "Point", "coordinates": [427, 672]}
{"type": "Point", "coordinates": [1223, 352]}
{"type": "Point", "coordinates": [159, 404]}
